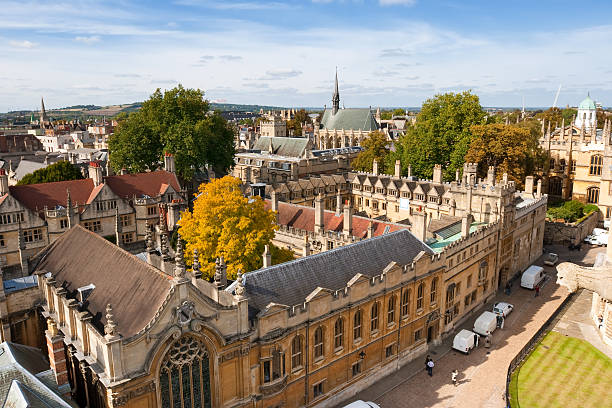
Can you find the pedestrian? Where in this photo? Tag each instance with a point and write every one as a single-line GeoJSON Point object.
{"type": "Point", "coordinates": [488, 341]}
{"type": "Point", "coordinates": [454, 375]}
{"type": "Point", "coordinates": [430, 366]}
{"type": "Point", "coordinates": [537, 290]}
{"type": "Point", "coordinates": [427, 361]}
{"type": "Point", "coordinates": [475, 340]}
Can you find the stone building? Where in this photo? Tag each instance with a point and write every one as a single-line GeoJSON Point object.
{"type": "Point", "coordinates": [121, 207]}
{"type": "Point", "coordinates": [343, 127]}
{"type": "Point", "coordinates": [273, 126]}
{"type": "Point", "coordinates": [580, 156]}
{"type": "Point", "coordinates": [308, 332]}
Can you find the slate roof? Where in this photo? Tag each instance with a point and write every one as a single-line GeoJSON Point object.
{"type": "Point", "coordinates": [291, 282]}
{"type": "Point", "coordinates": [283, 146]}
{"type": "Point", "coordinates": [347, 119]}
{"type": "Point", "coordinates": [442, 223]}
{"type": "Point", "coordinates": [302, 217]}
{"type": "Point", "coordinates": [26, 167]}
{"type": "Point", "coordinates": [22, 376]}
{"type": "Point", "coordinates": [134, 288]}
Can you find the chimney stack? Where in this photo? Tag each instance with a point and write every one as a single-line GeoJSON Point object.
{"type": "Point", "coordinates": [409, 171]}
{"type": "Point", "coordinates": [95, 173]}
{"type": "Point", "coordinates": [466, 223]}
{"type": "Point", "coordinates": [306, 249]}
{"type": "Point", "coordinates": [437, 174]}
{"type": "Point", "coordinates": [491, 176]}
{"type": "Point", "coordinates": [4, 186]}
{"type": "Point", "coordinates": [347, 225]}
{"type": "Point", "coordinates": [371, 229]}
{"type": "Point", "coordinates": [338, 203]}
{"type": "Point", "coordinates": [169, 165]}
{"type": "Point", "coordinates": [398, 168]}
{"type": "Point", "coordinates": [274, 200]}
{"type": "Point", "coordinates": [375, 167]}
{"type": "Point", "coordinates": [57, 357]}
{"type": "Point", "coordinates": [539, 189]}
{"type": "Point", "coordinates": [419, 227]}
{"type": "Point", "coordinates": [267, 257]}
{"type": "Point", "coordinates": [319, 214]}
{"type": "Point", "coordinates": [529, 185]}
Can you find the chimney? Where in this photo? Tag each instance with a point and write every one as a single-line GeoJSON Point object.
{"type": "Point", "coordinates": [306, 249]}
{"type": "Point", "coordinates": [505, 178]}
{"type": "Point", "coordinates": [539, 189]}
{"type": "Point", "coordinates": [169, 162]}
{"type": "Point", "coordinates": [95, 173]}
{"type": "Point", "coordinates": [338, 203]}
{"type": "Point", "coordinates": [375, 167]}
{"type": "Point", "coordinates": [57, 357]}
{"type": "Point", "coordinates": [409, 171]}
{"type": "Point", "coordinates": [371, 229]}
{"type": "Point", "coordinates": [347, 225]}
{"type": "Point", "coordinates": [267, 257]}
{"type": "Point", "coordinates": [118, 228]}
{"type": "Point", "coordinates": [468, 205]}
{"type": "Point", "coordinates": [274, 200]}
{"type": "Point", "coordinates": [319, 214]}
{"type": "Point", "coordinates": [466, 223]}
{"type": "Point", "coordinates": [437, 174]}
{"type": "Point", "coordinates": [398, 168]}
{"type": "Point", "coordinates": [529, 185]}
{"type": "Point", "coordinates": [419, 227]}
{"type": "Point", "coordinates": [457, 175]}
{"type": "Point", "coordinates": [4, 186]}
{"type": "Point", "coordinates": [491, 176]}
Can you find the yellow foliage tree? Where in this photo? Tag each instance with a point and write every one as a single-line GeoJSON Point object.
{"type": "Point", "coordinates": [226, 224]}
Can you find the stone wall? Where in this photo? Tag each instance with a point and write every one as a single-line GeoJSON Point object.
{"type": "Point", "coordinates": [570, 233]}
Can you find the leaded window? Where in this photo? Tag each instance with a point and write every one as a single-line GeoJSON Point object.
{"type": "Point", "coordinates": [185, 375]}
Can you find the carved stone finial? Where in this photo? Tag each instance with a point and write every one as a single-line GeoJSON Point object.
{"type": "Point", "coordinates": [240, 289]}
{"type": "Point", "coordinates": [110, 326]}
{"type": "Point", "coordinates": [164, 247]}
{"type": "Point", "coordinates": [218, 271]}
{"type": "Point", "coordinates": [52, 327]}
{"type": "Point", "coordinates": [149, 239]}
{"type": "Point", "coordinates": [195, 269]}
{"type": "Point", "coordinates": [179, 261]}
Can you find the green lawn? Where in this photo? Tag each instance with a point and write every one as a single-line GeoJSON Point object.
{"type": "Point", "coordinates": [563, 372]}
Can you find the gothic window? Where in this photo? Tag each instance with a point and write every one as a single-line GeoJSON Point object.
{"type": "Point", "coordinates": [450, 294]}
{"type": "Point", "coordinates": [391, 310]}
{"type": "Point", "coordinates": [595, 167]}
{"type": "Point", "coordinates": [339, 333]}
{"type": "Point", "coordinates": [573, 169]}
{"type": "Point", "coordinates": [593, 195]}
{"type": "Point", "coordinates": [374, 317]}
{"type": "Point", "coordinates": [406, 303]}
{"type": "Point", "coordinates": [482, 270]}
{"type": "Point", "coordinates": [296, 352]}
{"type": "Point", "coordinates": [185, 376]}
{"type": "Point", "coordinates": [318, 342]}
{"type": "Point", "coordinates": [357, 325]}
{"type": "Point", "coordinates": [432, 292]}
{"type": "Point", "coordinates": [562, 165]}
{"type": "Point", "coordinates": [419, 302]}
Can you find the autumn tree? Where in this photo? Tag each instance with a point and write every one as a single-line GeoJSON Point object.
{"type": "Point", "coordinates": [441, 134]}
{"type": "Point", "coordinates": [513, 149]}
{"type": "Point", "coordinates": [60, 171]}
{"type": "Point", "coordinates": [375, 147]}
{"type": "Point", "coordinates": [226, 224]}
{"type": "Point", "coordinates": [300, 117]}
{"type": "Point", "coordinates": [176, 121]}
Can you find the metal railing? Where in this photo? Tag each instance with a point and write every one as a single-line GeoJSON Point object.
{"type": "Point", "coordinates": [528, 348]}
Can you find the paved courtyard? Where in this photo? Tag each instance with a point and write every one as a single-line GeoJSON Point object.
{"type": "Point", "coordinates": [482, 373]}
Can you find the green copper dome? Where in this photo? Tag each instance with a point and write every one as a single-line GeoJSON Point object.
{"type": "Point", "coordinates": [588, 103]}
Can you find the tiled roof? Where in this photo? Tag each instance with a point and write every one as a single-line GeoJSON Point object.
{"type": "Point", "coordinates": [283, 146]}
{"type": "Point", "coordinates": [291, 282]}
{"type": "Point", "coordinates": [139, 184]}
{"type": "Point", "coordinates": [134, 288]}
{"type": "Point", "coordinates": [302, 217]}
{"type": "Point", "coordinates": [347, 119]}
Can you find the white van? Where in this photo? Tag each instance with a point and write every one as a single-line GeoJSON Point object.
{"type": "Point", "coordinates": [362, 404]}
{"type": "Point", "coordinates": [533, 276]}
{"type": "Point", "coordinates": [464, 341]}
{"type": "Point", "coordinates": [486, 323]}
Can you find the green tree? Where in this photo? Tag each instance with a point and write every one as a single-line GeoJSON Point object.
{"type": "Point", "coordinates": [375, 147]}
{"type": "Point", "coordinates": [399, 112]}
{"type": "Point", "coordinates": [295, 124]}
{"type": "Point", "coordinates": [176, 121]}
{"type": "Point", "coordinates": [513, 149]}
{"type": "Point", "coordinates": [60, 171]}
{"type": "Point", "coordinates": [568, 114]}
{"type": "Point", "coordinates": [441, 134]}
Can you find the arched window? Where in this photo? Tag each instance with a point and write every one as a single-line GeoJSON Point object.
{"type": "Point", "coordinates": [593, 195]}
{"type": "Point", "coordinates": [482, 270]}
{"type": "Point", "coordinates": [296, 352]}
{"type": "Point", "coordinates": [432, 292]}
{"type": "Point", "coordinates": [595, 167]}
{"type": "Point", "coordinates": [318, 342]}
{"type": "Point", "coordinates": [374, 317]}
{"type": "Point", "coordinates": [420, 291]}
{"type": "Point", "coordinates": [184, 378]}
{"type": "Point", "coordinates": [357, 325]}
{"type": "Point", "coordinates": [391, 310]}
{"type": "Point", "coordinates": [406, 303]}
{"type": "Point", "coordinates": [339, 333]}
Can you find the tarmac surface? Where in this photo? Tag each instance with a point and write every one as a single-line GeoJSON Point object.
{"type": "Point", "coordinates": [482, 373]}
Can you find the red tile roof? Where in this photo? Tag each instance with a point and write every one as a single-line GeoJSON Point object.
{"type": "Point", "coordinates": [140, 184]}
{"type": "Point", "coordinates": [301, 217]}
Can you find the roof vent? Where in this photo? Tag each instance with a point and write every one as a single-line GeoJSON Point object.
{"type": "Point", "coordinates": [84, 292]}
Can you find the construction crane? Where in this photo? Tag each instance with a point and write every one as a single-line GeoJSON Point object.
{"type": "Point", "coordinates": [554, 105]}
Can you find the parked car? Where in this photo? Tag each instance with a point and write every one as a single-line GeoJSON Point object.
{"type": "Point", "coordinates": [502, 308]}
{"type": "Point", "coordinates": [551, 259]}
{"type": "Point", "coordinates": [591, 239]}
{"type": "Point", "coordinates": [362, 404]}
{"type": "Point", "coordinates": [464, 341]}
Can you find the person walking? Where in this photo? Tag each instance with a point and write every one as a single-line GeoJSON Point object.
{"type": "Point", "coordinates": [475, 340]}
{"type": "Point", "coordinates": [430, 366]}
{"type": "Point", "coordinates": [454, 375]}
{"type": "Point", "coordinates": [537, 290]}
{"type": "Point", "coordinates": [427, 361]}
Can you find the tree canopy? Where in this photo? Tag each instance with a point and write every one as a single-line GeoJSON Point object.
{"type": "Point", "coordinates": [176, 121]}
{"type": "Point", "coordinates": [441, 134]}
{"type": "Point", "coordinates": [375, 145]}
{"type": "Point", "coordinates": [295, 124]}
{"type": "Point", "coordinates": [513, 149]}
{"type": "Point", "coordinates": [225, 223]}
{"type": "Point", "coordinates": [60, 171]}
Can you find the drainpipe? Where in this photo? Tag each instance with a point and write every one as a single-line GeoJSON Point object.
{"type": "Point", "coordinates": [306, 362]}
{"type": "Point", "coordinates": [399, 322]}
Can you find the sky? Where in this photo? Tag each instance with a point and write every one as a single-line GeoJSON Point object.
{"type": "Point", "coordinates": [284, 53]}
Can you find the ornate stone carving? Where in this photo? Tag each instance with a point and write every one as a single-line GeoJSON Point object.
{"type": "Point", "coordinates": [179, 261]}
{"type": "Point", "coordinates": [185, 312]}
{"type": "Point", "coordinates": [110, 326]}
{"type": "Point", "coordinates": [240, 289]}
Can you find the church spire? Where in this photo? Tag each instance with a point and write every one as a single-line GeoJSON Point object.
{"type": "Point", "coordinates": [336, 96]}
{"type": "Point", "coordinates": [43, 114]}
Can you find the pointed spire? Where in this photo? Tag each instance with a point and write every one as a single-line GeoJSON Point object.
{"type": "Point", "coordinates": [110, 326]}
{"type": "Point", "coordinates": [179, 261]}
{"type": "Point", "coordinates": [195, 266]}
{"type": "Point", "coordinates": [43, 113]}
{"type": "Point", "coordinates": [336, 96]}
{"type": "Point", "coordinates": [164, 247]}
{"type": "Point", "coordinates": [149, 240]}
{"type": "Point", "coordinates": [220, 273]}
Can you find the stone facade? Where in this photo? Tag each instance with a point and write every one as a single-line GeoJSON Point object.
{"type": "Point", "coordinates": [570, 233]}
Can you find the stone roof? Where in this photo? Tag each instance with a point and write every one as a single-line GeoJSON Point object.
{"type": "Point", "coordinates": [283, 146]}
{"type": "Point", "coordinates": [349, 119]}
{"type": "Point", "coordinates": [134, 288]}
{"type": "Point", "coordinates": [291, 282]}
{"type": "Point", "coordinates": [26, 167]}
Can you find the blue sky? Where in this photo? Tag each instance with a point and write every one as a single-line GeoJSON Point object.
{"type": "Point", "coordinates": [388, 52]}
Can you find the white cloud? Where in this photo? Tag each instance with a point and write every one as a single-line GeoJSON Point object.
{"type": "Point", "coordinates": [277, 74]}
{"type": "Point", "coordinates": [22, 44]}
{"type": "Point", "coordinates": [88, 40]}
{"type": "Point", "coordinates": [397, 2]}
